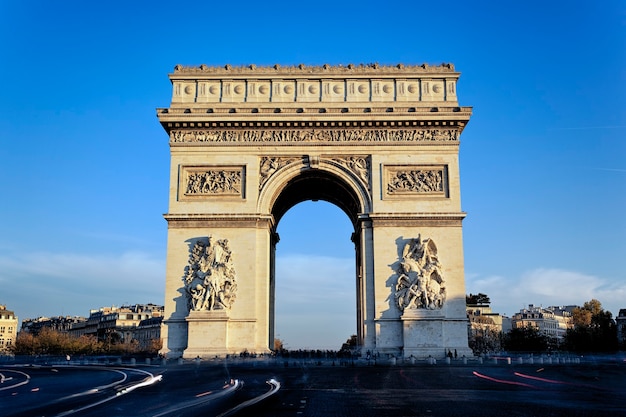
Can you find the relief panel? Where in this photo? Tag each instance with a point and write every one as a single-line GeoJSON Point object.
{"type": "Point", "coordinates": [198, 182]}
{"type": "Point", "coordinates": [259, 91]}
{"type": "Point", "coordinates": [415, 181]}
{"type": "Point", "coordinates": [309, 91]}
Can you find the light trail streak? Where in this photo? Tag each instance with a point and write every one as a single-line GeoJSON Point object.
{"type": "Point", "coordinates": [229, 388]}
{"type": "Point", "coordinates": [502, 381]}
{"type": "Point", "coordinates": [553, 381]}
{"type": "Point", "coordinates": [274, 387]}
{"type": "Point", "coordinates": [536, 378]}
{"type": "Point", "coordinates": [151, 379]}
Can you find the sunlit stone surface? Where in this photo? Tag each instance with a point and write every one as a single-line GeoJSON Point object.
{"type": "Point", "coordinates": [380, 142]}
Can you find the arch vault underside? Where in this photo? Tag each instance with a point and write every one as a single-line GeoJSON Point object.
{"type": "Point", "coordinates": [248, 143]}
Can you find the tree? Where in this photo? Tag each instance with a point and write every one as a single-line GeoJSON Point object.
{"type": "Point", "coordinates": [525, 339]}
{"type": "Point", "coordinates": [479, 298]}
{"type": "Point", "coordinates": [483, 336]}
{"type": "Point", "coordinates": [350, 345]}
{"type": "Point", "coordinates": [278, 345]}
{"type": "Point", "coordinates": [594, 329]}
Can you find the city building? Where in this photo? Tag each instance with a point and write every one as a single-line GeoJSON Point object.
{"type": "Point", "coordinates": [121, 324]}
{"type": "Point", "coordinates": [485, 326]}
{"type": "Point", "coordinates": [138, 323]}
{"type": "Point", "coordinates": [59, 323]}
{"type": "Point", "coordinates": [620, 320]}
{"type": "Point", "coordinates": [8, 329]}
{"type": "Point", "coordinates": [552, 321]}
{"type": "Point", "coordinates": [147, 332]}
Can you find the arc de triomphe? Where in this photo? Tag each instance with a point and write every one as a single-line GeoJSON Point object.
{"type": "Point", "coordinates": [248, 143]}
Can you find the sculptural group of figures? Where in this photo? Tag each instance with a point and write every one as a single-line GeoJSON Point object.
{"type": "Point", "coordinates": [420, 181]}
{"type": "Point", "coordinates": [313, 135]}
{"type": "Point", "coordinates": [210, 276]}
{"type": "Point", "coordinates": [214, 182]}
{"type": "Point", "coordinates": [420, 281]}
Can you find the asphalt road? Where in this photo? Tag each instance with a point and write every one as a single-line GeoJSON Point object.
{"type": "Point", "coordinates": [210, 389]}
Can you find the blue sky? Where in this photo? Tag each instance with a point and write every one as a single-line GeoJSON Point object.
{"type": "Point", "coordinates": [84, 162]}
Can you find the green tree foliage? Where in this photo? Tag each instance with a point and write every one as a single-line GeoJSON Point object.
{"type": "Point", "coordinates": [594, 329]}
{"type": "Point", "coordinates": [525, 339]}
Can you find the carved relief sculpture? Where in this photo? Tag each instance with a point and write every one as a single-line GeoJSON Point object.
{"type": "Point", "coordinates": [420, 283]}
{"type": "Point", "coordinates": [213, 181]}
{"type": "Point", "coordinates": [416, 181]}
{"type": "Point", "coordinates": [359, 165]}
{"type": "Point", "coordinates": [269, 165]}
{"type": "Point", "coordinates": [210, 276]}
{"type": "Point", "coordinates": [321, 135]}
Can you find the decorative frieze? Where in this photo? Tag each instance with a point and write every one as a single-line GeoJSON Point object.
{"type": "Point", "coordinates": [212, 181]}
{"type": "Point", "coordinates": [314, 135]}
{"type": "Point", "coordinates": [415, 180]}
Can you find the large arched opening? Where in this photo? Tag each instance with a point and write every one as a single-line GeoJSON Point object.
{"type": "Point", "coordinates": [315, 289]}
{"type": "Point", "coordinates": [308, 190]}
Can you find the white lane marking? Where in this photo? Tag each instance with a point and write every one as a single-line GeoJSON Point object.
{"type": "Point", "coordinates": [26, 381]}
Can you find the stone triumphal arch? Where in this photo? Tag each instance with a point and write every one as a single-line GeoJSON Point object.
{"type": "Point", "coordinates": [248, 143]}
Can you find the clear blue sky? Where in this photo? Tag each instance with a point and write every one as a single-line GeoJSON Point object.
{"type": "Point", "coordinates": [84, 162]}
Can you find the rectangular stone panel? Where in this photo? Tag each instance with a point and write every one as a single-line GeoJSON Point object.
{"type": "Point", "coordinates": [433, 90]}
{"type": "Point", "coordinates": [308, 91]}
{"type": "Point", "coordinates": [259, 91]}
{"type": "Point", "coordinates": [358, 90]}
{"type": "Point", "coordinates": [383, 90]}
{"type": "Point", "coordinates": [209, 92]}
{"type": "Point", "coordinates": [333, 90]}
{"type": "Point", "coordinates": [415, 181]}
{"type": "Point", "coordinates": [451, 90]}
{"type": "Point", "coordinates": [233, 91]}
{"type": "Point", "coordinates": [408, 90]}
{"type": "Point", "coordinates": [283, 91]}
{"type": "Point", "coordinates": [184, 92]}
{"type": "Point", "coordinates": [201, 182]}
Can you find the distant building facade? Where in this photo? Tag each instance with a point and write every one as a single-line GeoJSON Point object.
{"type": "Point", "coordinates": [485, 326]}
{"type": "Point", "coordinates": [60, 324]}
{"type": "Point", "coordinates": [123, 324]}
{"type": "Point", "coordinates": [139, 322]}
{"type": "Point", "coordinates": [8, 329]}
{"type": "Point", "coordinates": [552, 321]}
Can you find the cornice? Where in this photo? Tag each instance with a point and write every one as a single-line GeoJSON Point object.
{"type": "Point", "coordinates": [199, 220]}
{"type": "Point", "coordinates": [373, 69]}
{"type": "Point", "coordinates": [434, 219]}
{"type": "Point", "coordinates": [307, 118]}
{"type": "Point", "coordinates": [417, 215]}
